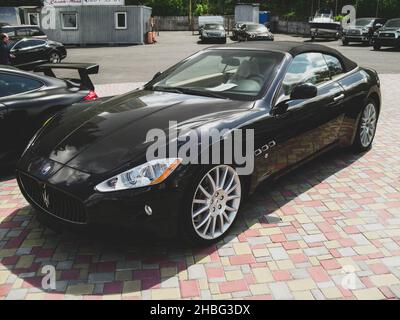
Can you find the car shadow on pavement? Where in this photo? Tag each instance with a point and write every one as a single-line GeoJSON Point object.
{"type": "Point", "coordinates": [7, 173]}
{"type": "Point", "coordinates": [109, 264]}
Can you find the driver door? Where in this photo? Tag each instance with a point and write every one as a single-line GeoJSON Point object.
{"type": "Point", "coordinates": [306, 125]}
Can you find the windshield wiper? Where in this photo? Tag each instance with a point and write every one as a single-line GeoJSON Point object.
{"type": "Point", "coordinates": [189, 91]}
{"type": "Point", "coordinates": [166, 89]}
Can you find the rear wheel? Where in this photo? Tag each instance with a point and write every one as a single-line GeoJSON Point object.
{"type": "Point", "coordinates": [212, 205]}
{"type": "Point", "coordinates": [366, 127]}
{"type": "Point", "coordinates": [377, 47]}
{"type": "Point", "coordinates": [54, 57]}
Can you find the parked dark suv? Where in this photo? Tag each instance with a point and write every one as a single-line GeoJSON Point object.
{"type": "Point", "coordinates": [363, 31]}
{"type": "Point", "coordinates": [388, 35]}
{"type": "Point", "coordinates": [23, 31]}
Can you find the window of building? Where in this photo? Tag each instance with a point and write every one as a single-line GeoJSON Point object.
{"type": "Point", "coordinates": [33, 18]}
{"type": "Point", "coordinates": [69, 20]}
{"type": "Point", "coordinates": [120, 20]}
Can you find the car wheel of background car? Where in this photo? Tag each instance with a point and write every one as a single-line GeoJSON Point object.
{"type": "Point", "coordinates": [212, 206]}
{"type": "Point", "coordinates": [377, 47]}
{"type": "Point", "coordinates": [54, 58]}
{"type": "Point", "coordinates": [224, 40]}
{"type": "Point", "coordinates": [366, 127]}
{"type": "Point", "coordinates": [345, 42]}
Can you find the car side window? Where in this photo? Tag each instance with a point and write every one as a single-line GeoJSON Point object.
{"type": "Point", "coordinates": [305, 68]}
{"type": "Point", "coordinates": [34, 32]}
{"type": "Point", "coordinates": [22, 32]}
{"type": "Point", "coordinates": [28, 43]}
{"type": "Point", "coordinates": [334, 65]}
{"type": "Point", "coordinates": [13, 84]}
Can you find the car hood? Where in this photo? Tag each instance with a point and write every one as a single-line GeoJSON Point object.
{"type": "Point", "coordinates": [101, 138]}
{"type": "Point", "coordinates": [389, 29]}
{"type": "Point", "coordinates": [261, 33]}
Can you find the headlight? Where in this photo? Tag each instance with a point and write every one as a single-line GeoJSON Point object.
{"type": "Point", "coordinates": [150, 173]}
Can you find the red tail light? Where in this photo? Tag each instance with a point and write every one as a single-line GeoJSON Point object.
{"type": "Point", "coordinates": [91, 96]}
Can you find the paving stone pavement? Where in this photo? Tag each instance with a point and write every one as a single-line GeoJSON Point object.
{"type": "Point", "coordinates": [329, 230]}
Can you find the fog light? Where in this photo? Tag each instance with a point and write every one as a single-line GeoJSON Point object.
{"type": "Point", "coordinates": [148, 210]}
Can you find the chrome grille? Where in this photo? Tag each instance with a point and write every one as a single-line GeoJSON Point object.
{"type": "Point", "coordinates": [53, 201]}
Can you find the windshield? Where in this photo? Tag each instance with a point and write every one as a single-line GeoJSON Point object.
{"type": "Point", "coordinates": [213, 27]}
{"type": "Point", "coordinates": [363, 22]}
{"type": "Point", "coordinates": [256, 27]}
{"type": "Point", "coordinates": [229, 74]}
{"type": "Point", "coordinates": [395, 23]}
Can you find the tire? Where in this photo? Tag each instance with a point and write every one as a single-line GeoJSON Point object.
{"type": "Point", "coordinates": [54, 57]}
{"type": "Point", "coordinates": [312, 38]}
{"type": "Point", "coordinates": [209, 212]}
{"type": "Point", "coordinates": [345, 42]}
{"type": "Point", "coordinates": [377, 47]}
{"type": "Point", "coordinates": [223, 41]}
{"type": "Point", "coordinates": [366, 127]}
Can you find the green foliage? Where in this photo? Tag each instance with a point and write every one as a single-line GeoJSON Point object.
{"type": "Point", "coordinates": [302, 8]}
{"type": "Point", "coordinates": [201, 8]}
{"type": "Point", "coordinates": [338, 18]}
{"type": "Point", "coordinates": [289, 15]}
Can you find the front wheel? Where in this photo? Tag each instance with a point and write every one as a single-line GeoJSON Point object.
{"type": "Point", "coordinates": [377, 47]}
{"type": "Point", "coordinates": [345, 42]}
{"type": "Point", "coordinates": [212, 205]}
{"type": "Point", "coordinates": [366, 127]}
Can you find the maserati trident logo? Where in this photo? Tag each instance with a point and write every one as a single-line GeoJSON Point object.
{"type": "Point", "coordinates": [45, 196]}
{"type": "Point", "coordinates": [46, 169]}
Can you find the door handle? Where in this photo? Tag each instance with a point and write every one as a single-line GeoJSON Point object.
{"type": "Point", "coordinates": [339, 97]}
{"type": "Point", "coordinates": [3, 111]}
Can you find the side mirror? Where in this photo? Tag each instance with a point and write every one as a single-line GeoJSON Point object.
{"type": "Point", "coordinates": [304, 91]}
{"type": "Point", "coordinates": [301, 92]}
{"type": "Point", "coordinates": [159, 73]}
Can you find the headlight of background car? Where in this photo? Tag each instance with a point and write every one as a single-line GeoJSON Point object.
{"type": "Point", "coordinates": [150, 173]}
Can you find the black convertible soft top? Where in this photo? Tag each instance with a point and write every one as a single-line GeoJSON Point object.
{"type": "Point", "coordinates": [294, 49]}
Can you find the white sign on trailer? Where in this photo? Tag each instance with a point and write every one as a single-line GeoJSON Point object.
{"type": "Point", "coordinates": [84, 2]}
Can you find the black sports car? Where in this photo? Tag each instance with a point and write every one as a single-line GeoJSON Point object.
{"type": "Point", "coordinates": [30, 52]}
{"type": "Point", "coordinates": [91, 166]}
{"type": "Point", "coordinates": [27, 100]}
{"type": "Point", "coordinates": [254, 32]}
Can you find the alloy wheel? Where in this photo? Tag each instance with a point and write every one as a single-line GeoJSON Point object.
{"type": "Point", "coordinates": [216, 202]}
{"type": "Point", "coordinates": [54, 58]}
{"type": "Point", "coordinates": [368, 125]}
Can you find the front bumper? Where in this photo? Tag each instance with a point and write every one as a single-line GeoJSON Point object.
{"type": "Point", "coordinates": [212, 38]}
{"type": "Point", "coordinates": [354, 38]}
{"type": "Point", "coordinates": [387, 42]}
{"type": "Point", "coordinates": [67, 198]}
{"type": "Point", "coordinates": [261, 38]}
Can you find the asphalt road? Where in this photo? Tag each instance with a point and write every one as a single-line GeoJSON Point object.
{"type": "Point", "coordinates": [139, 63]}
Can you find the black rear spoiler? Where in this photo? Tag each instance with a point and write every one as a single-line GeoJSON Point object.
{"type": "Point", "coordinates": [84, 70]}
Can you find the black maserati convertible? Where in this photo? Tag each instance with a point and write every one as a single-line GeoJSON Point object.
{"type": "Point", "coordinates": [88, 166]}
{"type": "Point", "coordinates": [28, 100]}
